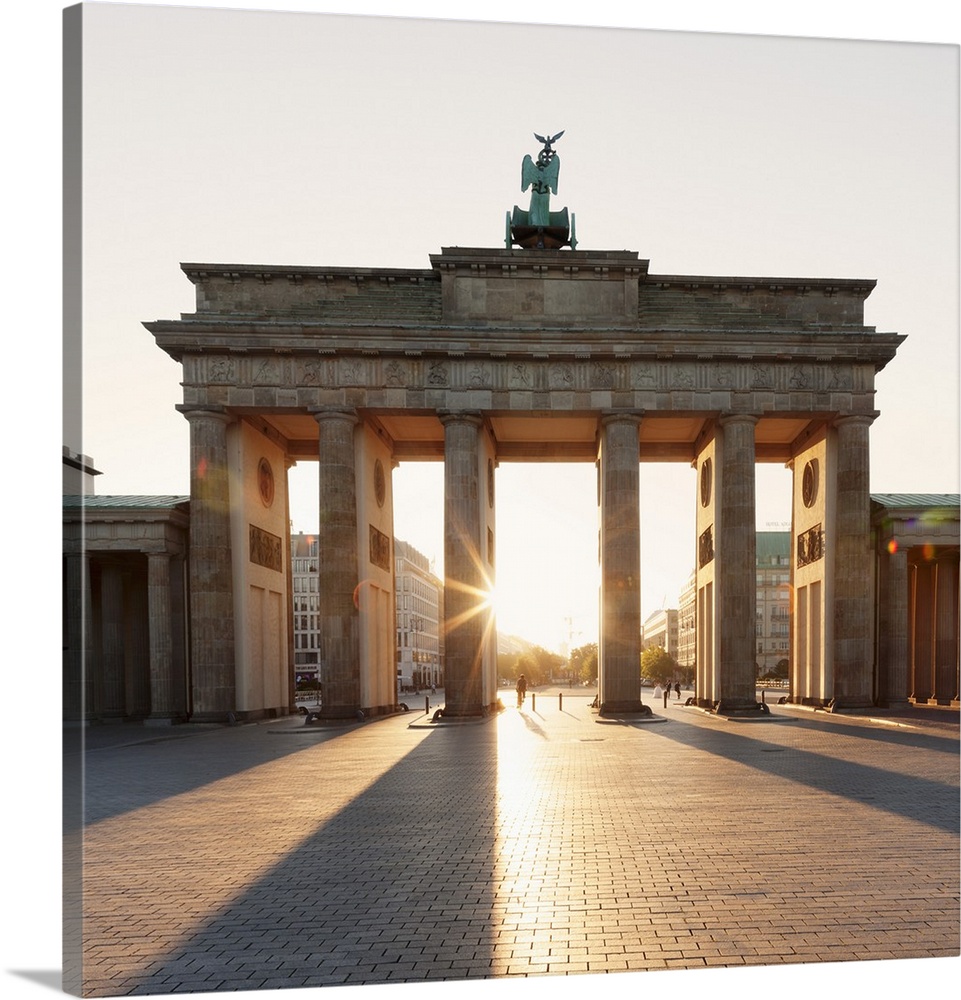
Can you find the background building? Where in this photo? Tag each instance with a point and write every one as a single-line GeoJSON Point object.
{"type": "Point", "coordinates": [661, 629]}
{"type": "Point", "coordinates": [306, 606]}
{"type": "Point", "coordinates": [773, 609]}
{"type": "Point", "coordinates": [419, 599]}
{"type": "Point", "coordinates": [687, 624]}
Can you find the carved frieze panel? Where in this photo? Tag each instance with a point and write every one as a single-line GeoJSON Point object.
{"type": "Point", "coordinates": [379, 548]}
{"type": "Point", "coordinates": [266, 549]}
{"type": "Point", "coordinates": [578, 374]}
{"type": "Point", "coordinates": [705, 546]}
{"type": "Point", "coordinates": [810, 546]}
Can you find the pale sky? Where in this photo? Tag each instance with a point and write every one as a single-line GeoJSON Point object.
{"type": "Point", "coordinates": [722, 155]}
{"type": "Point", "coordinates": [231, 136]}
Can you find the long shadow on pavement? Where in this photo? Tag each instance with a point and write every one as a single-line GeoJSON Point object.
{"type": "Point", "coordinates": [397, 886]}
{"type": "Point", "coordinates": [133, 782]}
{"type": "Point", "coordinates": [928, 801]}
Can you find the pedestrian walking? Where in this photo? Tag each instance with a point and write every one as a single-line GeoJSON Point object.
{"type": "Point", "coordinates": [677, 690]}
{"type": "Point", "coordinates": [667, 692]}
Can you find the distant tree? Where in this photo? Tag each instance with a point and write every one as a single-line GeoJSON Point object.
{"type": "Point", "coordinates": [657, 665]}
{"type": "Point", "coordinates": [584, 663]}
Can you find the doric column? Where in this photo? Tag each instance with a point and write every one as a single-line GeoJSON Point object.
{"type": "Point", "coordinates": [77, 679]}
{"type": "Point", "coordinates": [619, 649]}
{"type": "Point", "coordinates": [112, 700]}
{"type": "Point", "coordinates": [464, 585]}
{"type": "Point", "coordinates": [922, 631]}
{"type": "Point", "coordinates": [289, 563]}
{"type": "Point", "coordinates": [946, 628]}
{"type": "Point", "coordinates": [160, 638]}
{"type": "Point", "coordinates": [337, 564]}
{"type": "Point", "coordinates": [736, 574]}
{"type": "Point", "coordinates": [895, 629]}
{"type": "Point", "coordinates": [853, 605]}
{"type": "Point", "coordinates": [211, 571]}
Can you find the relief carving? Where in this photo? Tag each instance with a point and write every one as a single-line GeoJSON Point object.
{"type": "Point", "coordinates": [520, 375]}
{"type": "Point", "coordinates": [810, 546]}
{"type": "Point", "coordinates": [682, 378]}
{"type": "Point", "coordinates": [266, 549]}
{"type": "Point", "coordinates": [800, 378]}
{"type": "Point", "coordinates": [762, 377]}
{"type": "Point", "coordinates": [350, 373]}
{"type": "Point", "coordinates": [562, 377]}
{"type": "Point", "coordinates": [395, 374]}
{"type": "Point", "coordinates": [310, 373]}
{"type": "Point", "coordinates": [268, 373]}
{"type": "Point", "coordinates": [841, 379]}
{"type": "Point", "coordinates": [645, 376]}
{"type": "Point", "coordinates": [220, 370]}
{"type": "Point", "coordinates": [480, 376]}
{"type": "Point", "coordinates": [724, 376]}
{"type": "Point", "coordinates": [379, 548]}
{"type": "Point", "coordinates": [603, 376]}
{"type": "Point", "coordinates": [437, 373]}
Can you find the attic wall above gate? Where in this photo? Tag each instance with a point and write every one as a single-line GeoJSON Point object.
{"type": "Point", "coordinates": [525, 337]}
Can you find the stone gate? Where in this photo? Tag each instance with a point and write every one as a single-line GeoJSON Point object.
{"type": "Point", "coordinates": [519, 355]}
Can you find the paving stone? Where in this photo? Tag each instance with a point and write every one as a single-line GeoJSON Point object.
{"type": "Point", "coordinates": [528, 845]}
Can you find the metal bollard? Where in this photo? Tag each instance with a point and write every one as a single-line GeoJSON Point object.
{"type": "Point", "coordinates": [427, 705]}
{"type": "Point", "coordinates": [560, 701]}
{"type": "Point", "coordinates": [533, 702]}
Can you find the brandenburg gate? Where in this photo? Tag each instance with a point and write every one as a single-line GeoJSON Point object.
{"type": "Point", "coordinates": [537, 351]}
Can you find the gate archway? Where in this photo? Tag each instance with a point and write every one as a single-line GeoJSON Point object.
{"type": "Point", "coordinates": [490, 356]}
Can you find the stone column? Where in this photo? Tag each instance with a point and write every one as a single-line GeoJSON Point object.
{"type": "Point", "coordinates": [619, 649]}
{"type": "Point", "coordinates": [922, 631]}
{"type": "Point", "coordinates": [160, 637]}
{"type": "Point", "coordinates": [211, 570]}
{"type": "Point", "coordinates": [736, 574]}
{"type": "Point", "coordinates": [895, 628]}
{"type": "Point", "coordinates": [854, 554]}
{"type": "Point", "coordinates": [112, 668]}
{"type": "Point", "coordinates": [338, 571]}
{"type": "Point", "coordinates": [946, 628]}
{"type": "Point", "coordinates": [77, 680]}
{"type": "Point", "coordinates": [464, 586]}
{"type": "Point", "coordinates": [289, 563]}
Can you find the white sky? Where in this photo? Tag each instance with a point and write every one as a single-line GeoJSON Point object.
{"type": "Point", "coordinates": [283, 138]}
{"type": "Point", "coordinates": [257, 138]}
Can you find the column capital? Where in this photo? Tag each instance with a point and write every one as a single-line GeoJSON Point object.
{"type": "Point", "coordinates": [737, 417]}
{"type": "Point", "coordinates": [856, 419]}
{"type": "Point", "coordinates": [474, 417]}
{"type": "Point", "coordinates": [214, 412]}
{"type": "Point", "coordinates": [320, 413]}
{"type": "Point", "coordinates": [621, 416]}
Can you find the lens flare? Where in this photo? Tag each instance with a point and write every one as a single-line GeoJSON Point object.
{"type": "Point", "coordinates": [892, 547]}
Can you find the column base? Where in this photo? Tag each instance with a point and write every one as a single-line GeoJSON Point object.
{"type": "Point", "coordinates": [895, 704]}
{"type": "Point", "coordinates": [164, 720]}
{"type": "Point", "coordinates": [469, 711]}
{"type": "Point", "coordinates": [630, 707]}
{"type": "Point", "coordinates": [850, 705]}
{"type": "Point", "coordinates": [735, 708]}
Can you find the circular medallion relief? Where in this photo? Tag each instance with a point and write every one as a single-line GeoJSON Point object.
{"type": "Point", "coordinates": [809, 483]}
{"type": "Point", "coordinates": [706, 482]}
{"type": "Point", "coordinates": [380, 483]}
{"type": "Point", "coordinates": [490, 483]}
{"type": "Point", "coordinates": [265, 482]}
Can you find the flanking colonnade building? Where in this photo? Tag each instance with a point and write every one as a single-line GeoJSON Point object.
{"type": "Point", "coordinates": [521, 355]}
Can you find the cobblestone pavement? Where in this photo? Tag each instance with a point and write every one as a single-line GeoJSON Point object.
{"type": "Point", "coordinates": [540, 842]}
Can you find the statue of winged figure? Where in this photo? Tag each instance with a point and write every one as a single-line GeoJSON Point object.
{"type": "Point", "coordinates": [541, 178]}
